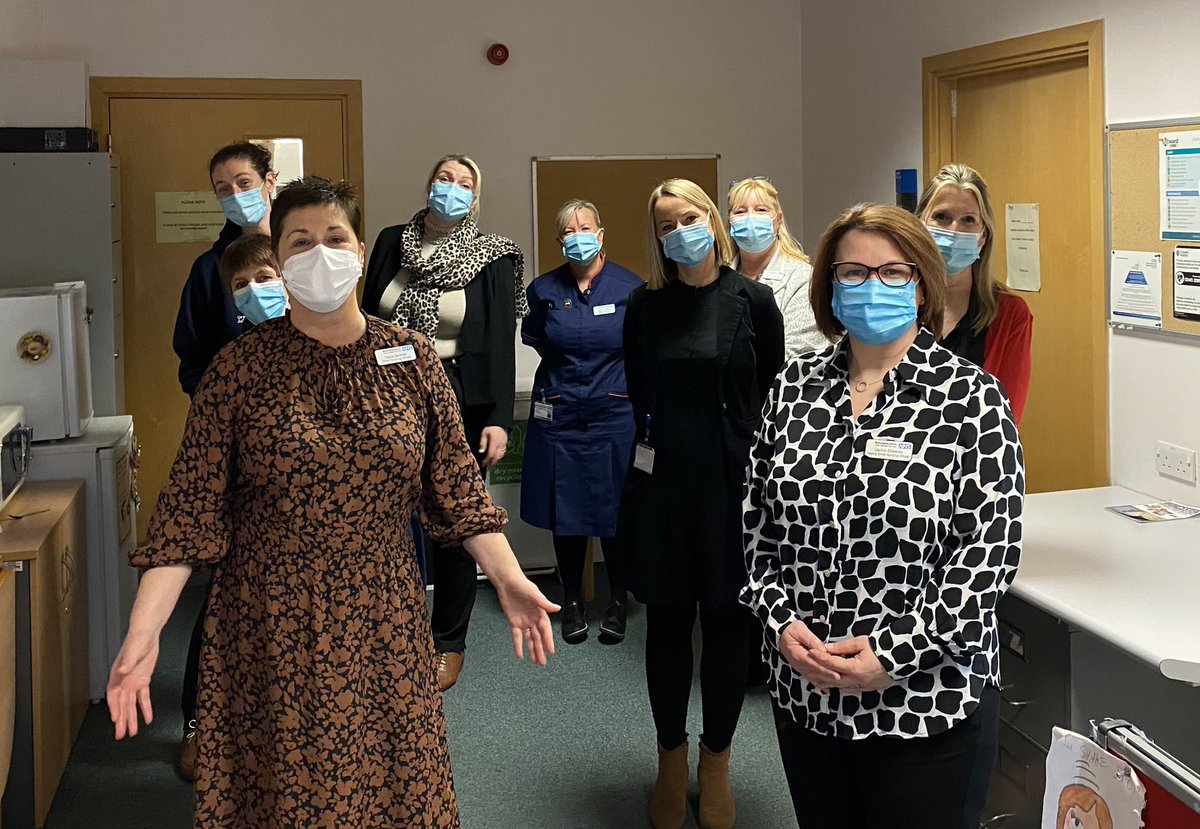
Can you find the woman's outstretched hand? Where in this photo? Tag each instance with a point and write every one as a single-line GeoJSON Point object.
{"type": "Point", "coordinates": [129, 684]}
{"type": "Point", "coordinates": [527, 611]}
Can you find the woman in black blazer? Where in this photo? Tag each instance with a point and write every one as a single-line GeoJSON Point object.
{"type": "Point", "coordinates": [702, 348]}
{"type": "Point", "coordinates": [463, 289]}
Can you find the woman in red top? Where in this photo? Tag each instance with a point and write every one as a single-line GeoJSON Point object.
{"type": "Point", "coordinates": [984, 321]}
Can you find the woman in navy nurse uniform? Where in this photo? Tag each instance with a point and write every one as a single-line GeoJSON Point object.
{"type": "Point", "coordinates": [581, 423]}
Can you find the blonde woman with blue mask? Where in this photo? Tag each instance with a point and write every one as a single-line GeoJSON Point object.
{"type": "Point", "coordinates": [768, 253]}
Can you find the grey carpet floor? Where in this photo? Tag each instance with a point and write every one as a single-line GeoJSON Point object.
{"type": "Point", "coordinates": [570, 745]}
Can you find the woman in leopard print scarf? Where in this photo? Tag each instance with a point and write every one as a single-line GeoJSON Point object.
{"type": "Point", "coordinates": [463, 289]}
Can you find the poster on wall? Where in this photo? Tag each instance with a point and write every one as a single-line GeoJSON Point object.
{"type": "Point", "coordinates": [1135, 289]}
{"type": "Point", "coordinates": [187, 216]}
{"type": "Point", "coordinates": [1186, 284]}
{"type": "Point", "coordinates": [1023, 247]}
{"type": "Point", "coordinates": [1179, 185]}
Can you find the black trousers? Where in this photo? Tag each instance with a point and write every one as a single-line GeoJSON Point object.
{"type": "Point", "coordinates": [722, 670]}
{"type": "Point", "coordinates": [889, 782]}
{"type": "Point", "coordinates": [455, 579]}
{"type": "Point", "coordinates": [570, 551]}
{"type": "Point", "coordinates": [191, 668]}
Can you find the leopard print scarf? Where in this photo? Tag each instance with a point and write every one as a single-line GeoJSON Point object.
{"type": "Point", "coordinates": [456, 261]}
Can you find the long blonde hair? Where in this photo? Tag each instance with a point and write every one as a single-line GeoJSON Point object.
{"type": "Point", "coordinates": [663, 271]}
{"type": "Point", "coordinates": [985, 286]}
{"type": "Point", "coordinates": [766, 191]}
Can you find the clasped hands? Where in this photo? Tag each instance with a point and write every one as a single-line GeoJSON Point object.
{"type": "Point", "coordinates": [849, 665]}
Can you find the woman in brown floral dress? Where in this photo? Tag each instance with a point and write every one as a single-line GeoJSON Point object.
{"type": "Point", "coordinates": [310, 442]}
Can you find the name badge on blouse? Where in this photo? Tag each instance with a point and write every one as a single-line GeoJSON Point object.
{"type": "Point", "coordinates": [604, 310]}
{"type": "Point", "coordinates": [889, 449]}
{"type": "Point", "coordinates": [643, 458]}
{"type": "Point", "coordinates": [543, 411]}
{"type": "Point", "coordinates": [397, 354]}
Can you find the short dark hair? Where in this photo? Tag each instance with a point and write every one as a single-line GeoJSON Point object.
{"type": "Point", "coordinates": [315, 191]}
{"type": "Point", "coordinates": [250, 251]}
{"type": "Point", "coordinates": [908, 234]}
{"type": "Point", "coordinates": [259, 157]}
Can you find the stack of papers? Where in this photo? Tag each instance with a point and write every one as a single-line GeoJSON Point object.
{"type": "Point", "coordinates": [1160, 511]}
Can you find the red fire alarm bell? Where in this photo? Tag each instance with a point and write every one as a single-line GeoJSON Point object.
{"type": "Point", "coordinates": [497, 54]}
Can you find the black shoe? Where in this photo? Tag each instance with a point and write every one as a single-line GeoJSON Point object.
{"type": "Point", "coordinates": [574, 623]}
{"type": "Point", "coordinates": [612, 629]}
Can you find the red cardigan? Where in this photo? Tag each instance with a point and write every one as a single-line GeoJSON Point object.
{"type": "Point", "coordinates": [1006, 350]}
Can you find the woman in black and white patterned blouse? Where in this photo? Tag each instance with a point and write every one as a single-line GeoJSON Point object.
{"type": "Point", "coordinates": [882, 526]}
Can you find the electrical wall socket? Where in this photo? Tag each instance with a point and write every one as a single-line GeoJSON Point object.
{"type": "Point", "coordinates": [1175, 461]}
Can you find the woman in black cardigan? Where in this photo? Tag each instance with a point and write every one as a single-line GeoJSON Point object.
{"type": "Point", "coordinates": [463, 289]}
{"type": "Point", "coordinates": [702, 348]}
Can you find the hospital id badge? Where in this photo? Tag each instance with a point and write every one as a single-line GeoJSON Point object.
{"type": "Point", "coordinates": [889, 449]}
{"type": "Point", "coordinates": [543, 411]}
{"type": "Point", "coordinates": [396, 354]}
{"type": "Point", "coordinates": [643, 458]}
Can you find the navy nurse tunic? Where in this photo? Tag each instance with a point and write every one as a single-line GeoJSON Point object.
{"type": "Point", "coordinates": [575, 462]}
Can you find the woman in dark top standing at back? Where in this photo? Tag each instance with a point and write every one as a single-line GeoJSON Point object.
{"type": "Point", "coordinates": [464, 290]}
{"type": "Point", "coordinates": [985, 322]}
{"type": "Point", "coordinates": [243, 182]}
{"type": "Point", "coordinates": [702, 347]}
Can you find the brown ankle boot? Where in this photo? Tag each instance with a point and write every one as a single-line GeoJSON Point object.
{"type": "Point", "coordinates": [716, 798]}
{"type": "Point", "coordinates": [668, 803]}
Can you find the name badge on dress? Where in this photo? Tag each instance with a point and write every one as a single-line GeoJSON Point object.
{"type": "Point", "coordinates": [889, 449]}
{"type": "Point", "coordinates": [643, 458]}
{"type": "Point", "coordinates": [543, 411]}
{"type": "Point", "coordinates": [397, 354]}
{"type": "Point", "coordinates": [604, 310]}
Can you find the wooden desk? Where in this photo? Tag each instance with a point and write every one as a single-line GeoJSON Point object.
{"type": "Point", "coordinates": [51, 676]}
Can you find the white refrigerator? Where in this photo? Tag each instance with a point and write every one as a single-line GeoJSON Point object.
{"type": "Point", "coordinates": [105, 458]}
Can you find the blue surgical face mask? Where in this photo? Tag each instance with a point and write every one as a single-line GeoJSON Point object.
{"type": "Point", "coordinates": [959, 250]}
{"type": "Point", "coordinates": [449, 202]}
{"type": "Point", "coordinates": [688, 245]}
{"type": "Point", "coordinates": [246, 208]}
{"type": "Point", "coordinates": [753, 234]}
{"type": "Point", "coordinates": [261, 301]}
{"type": "Point", "coordinates": [874, 313]}
{"type": "Point", "coordinates": [581, 247]}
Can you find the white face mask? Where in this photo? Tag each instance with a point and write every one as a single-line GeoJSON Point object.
{"type": "Point", "coordinates": [322, 278]}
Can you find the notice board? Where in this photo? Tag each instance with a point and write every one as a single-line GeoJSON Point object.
{"type": "Point", "coordinates": [1134, 205]}
{"type": "Point", "coordinates": [620, 187]}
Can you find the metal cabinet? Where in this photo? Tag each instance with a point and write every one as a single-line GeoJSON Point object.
{"type": "Point", "coordinates": [60, 221]}
{"type": "Point", "coordinates": [1035, 696]}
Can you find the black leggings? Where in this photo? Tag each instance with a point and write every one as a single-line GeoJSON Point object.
{"type": "Point", "coordinates": [571, 553]}
{"type": "Point", "coordinates": [890, 782]}
{"type": "Point", "coordinates": [455, 579]}
{"type": "Point", "coordinates": [722, 670]}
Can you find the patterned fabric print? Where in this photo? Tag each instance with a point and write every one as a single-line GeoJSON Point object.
{"type": "Point", "coordinates": [318, 705]}
{"type": "Point", "coordinates": [915, 554]}
{"type": "Point", "coordinates": [458, 259]}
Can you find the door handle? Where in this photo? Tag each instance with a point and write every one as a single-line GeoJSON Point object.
{"type": "Point", "coordinates": [1015, 703]}
{"type": "Point", "coordinates": [996, 820]}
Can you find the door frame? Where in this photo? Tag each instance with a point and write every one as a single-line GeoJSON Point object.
{"type": "Point", "coordinates": [940, 74]}
{"type": "Point", "coordinates": [349, 92]}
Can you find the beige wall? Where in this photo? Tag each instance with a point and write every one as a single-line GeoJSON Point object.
{"type": "Point", "coordinates": [862, 114]}
{"type": "Point", "coordinates": [624, 77]}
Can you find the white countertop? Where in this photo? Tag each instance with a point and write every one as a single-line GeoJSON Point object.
{"type": "Point", "coordinates": [1136, 586]}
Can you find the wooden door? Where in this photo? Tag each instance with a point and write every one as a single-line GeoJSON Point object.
{"type": "Point", "coordinates": [164, 131]}
{"type": "Point", "coordinates": [1028, 114]}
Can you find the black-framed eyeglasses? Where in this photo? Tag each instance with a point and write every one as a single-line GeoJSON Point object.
{"type": "Point", "coordinates": [892, 274]}
{"type": "Point", "coordinates": [738, 181]}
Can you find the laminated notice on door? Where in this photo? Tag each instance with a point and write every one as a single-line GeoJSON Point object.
{"type": "Point", "coordinates": [1087, 786]}
{"type": "Point", "coordinates": [187, 216]}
